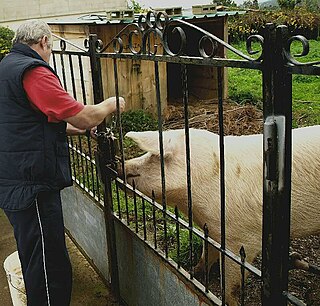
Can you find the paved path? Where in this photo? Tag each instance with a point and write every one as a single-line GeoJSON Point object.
{"type": "Point", "coordinates": [88, 289]}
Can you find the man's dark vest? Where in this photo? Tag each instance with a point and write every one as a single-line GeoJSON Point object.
{"type": "Point", "coordinates": [33, 153]}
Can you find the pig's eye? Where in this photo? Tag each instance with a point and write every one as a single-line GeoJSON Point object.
{"type": "Point", "coordinates": [131, 175]}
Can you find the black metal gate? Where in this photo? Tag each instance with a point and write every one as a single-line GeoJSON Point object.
{"type": "Point", "coordinates": [142, 213]}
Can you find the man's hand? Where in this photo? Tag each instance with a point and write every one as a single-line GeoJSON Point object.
{"type": "Point", "coordinates": [93, 115]}
{"type": "Point", "coordinates": [112, 103]}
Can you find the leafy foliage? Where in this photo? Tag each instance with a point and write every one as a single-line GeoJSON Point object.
{"type": "Point", "coordinates": [136, 6]}
{"type": "Point", "coordinates": [138, 120]}
{"type": "Point", "coordinates": [299, 21]}
{"type": "Point", "coordinates": [251, 4]}
{"type": "Point", "coordinates": [229, 3]}
{"type": "Point", "coordinates": [6, 36]}
{"type": "Point", "coordinates": [287, 4]}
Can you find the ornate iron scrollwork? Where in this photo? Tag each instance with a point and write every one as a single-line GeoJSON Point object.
{"type": "Point", "coordinates": [137, 36]}
{"type": "Point", "coordinates": [162, 27]}
{"type": "Point", "coordinates": [305, 51]}
{"type": "Point", "coordinates": [63, 43]}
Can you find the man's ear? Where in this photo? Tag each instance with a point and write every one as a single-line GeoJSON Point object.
{"type": "Point", "coordinates": [45, 42]}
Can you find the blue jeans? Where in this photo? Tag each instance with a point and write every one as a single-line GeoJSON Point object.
{"type": "Point", "coordinates": [46, 267]}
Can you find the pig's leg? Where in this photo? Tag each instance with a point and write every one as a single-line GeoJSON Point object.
{"type": "Point", "coordinates": [213, 256]}
{"type": "Point", "coordinates": [233, 277]}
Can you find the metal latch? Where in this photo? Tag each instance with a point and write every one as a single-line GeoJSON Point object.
{"type": "Point", "coordinates": [274, 149]}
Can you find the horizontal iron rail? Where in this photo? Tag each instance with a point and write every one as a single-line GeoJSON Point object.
{"type": "Point", "coordinates": [70, 52]}
{"type": "Point", "coordinates": [218, 62]}
{"type": "Point", "coordinates": [197, 232]}
{"type": "Point", "coordinates": [68, 42]}
{"type": "Point", "coordinates": [293, 300]}
{"type": "Point", "coordinates": [306, 70]}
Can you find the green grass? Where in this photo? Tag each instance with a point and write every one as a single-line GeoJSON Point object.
{"type": "Point", "coordinates": [125, 208]}
{"type": "Point", "coordinates": [245, 86]}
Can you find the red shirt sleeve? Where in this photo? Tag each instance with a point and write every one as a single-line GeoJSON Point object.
{"type": "Point", "coordinates": [46, 94]}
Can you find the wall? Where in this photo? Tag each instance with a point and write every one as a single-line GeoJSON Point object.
{"type": "Point", "coordinates": [145, 277]}
{"type": "Point", "coordinates": [14, 11]}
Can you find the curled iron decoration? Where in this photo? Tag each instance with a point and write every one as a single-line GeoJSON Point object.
{"type": "Point", "coordinates": [146, 45]}
{"type": "Point", "coordinates": [250, 40]}
{"type": "Point", "coordinates": [117, 44]}
{"type": "Point", "coordinates": [137, 38]}
{"type": "Point", "coordinates": [216, 41]}
{"type": "Point", "coordinates": [183, 40]}
{"type": "Point", "coordinates": [99, 45]}
{"type": "Point", "coordinates": [134, 33]}
{"type": "Point", "coordinates": [63, 44]}
{"type": "Point", "coordinates": [214, 46]}
{"type": "Point", "coordinates": [305, 51]}
{"type": "Point", "coordinates": [151, 23]}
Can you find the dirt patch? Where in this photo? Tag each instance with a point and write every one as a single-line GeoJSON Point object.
{"type": "Point", "coordinates": [244, 120]}
{"type": "Point", "coordinates": [203, 114]}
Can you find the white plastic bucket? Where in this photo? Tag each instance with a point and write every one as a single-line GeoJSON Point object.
{"type": "Point", "coordinates": [13, 270]}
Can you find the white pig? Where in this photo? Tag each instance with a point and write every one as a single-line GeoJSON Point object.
{"type": "Point", "coordinates": [244, 184]}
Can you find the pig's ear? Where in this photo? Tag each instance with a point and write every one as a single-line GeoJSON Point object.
{"type": "Point", "coordinates": [149, 141]}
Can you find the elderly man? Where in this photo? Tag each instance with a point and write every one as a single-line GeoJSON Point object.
{"type": "Point", "coordinates": [34, 162]}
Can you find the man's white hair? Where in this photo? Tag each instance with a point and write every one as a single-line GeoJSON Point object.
{"type": "Point", "coordinates": [31, 32]}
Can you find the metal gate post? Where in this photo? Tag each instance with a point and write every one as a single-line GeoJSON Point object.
{"type": "Point", "coordinates": [104, 158]}
{"type": "Point", "coordinates": [277, 94]}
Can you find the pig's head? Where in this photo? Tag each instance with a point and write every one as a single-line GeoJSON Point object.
{"type": "Point", "coordinates": [145, 171]}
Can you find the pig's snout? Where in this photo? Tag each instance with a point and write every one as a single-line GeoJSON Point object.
{"type": "Point", "coordinates": [130, 173]}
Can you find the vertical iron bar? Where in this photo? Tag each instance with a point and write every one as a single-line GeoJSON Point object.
{"type": "Point", "coordinates": [178, 236]}
{"type": "Point", "coordinates": [118, 201]}
{"type": "Point", "coordinates": [104, 150]}
{"type": "Point", "coordinates": [277, 94]}
{"type": "Point", "coordinates": [74, 91]}
{"type": "Point", "coordinates": [135, 206]}
{"type": "Point", "coordinates": [144, 219]}
{"type": "Point", "coordinates": [222, 183]}
{"type": "Point", "coordinates": [116, 84]}
{"type": "Point", "coordinates": [73, 84]}
{"type": "Point", "coordinates": [242, 289]}
{"type": "Point", "coordinates": [83, 87]}
{"type": "Point", "coordinates": [77, 159]}
{"type": "Point", "coordinates": [95, 65]}
{"type": "Point", "coordinates": [72, 156]}
{"type": "Point", "coordinates": [184, 75]}
{"type": "Point", "coordinates": [163, 178]}
{"type": "Point", "coordinates": [54, 62]}
{"type": "Point", "coordinates": [63, 73]}
{"type": "Point", "coordinates": [206, 256]}
{"type": "Point", "coordinates": [154, 220]}
{"type": "Point", "coordinates": [98, 182]}
{"type": "Point", "coordinates": [84, 98]}
{"type": "Point", "coordinates": [91, 164]}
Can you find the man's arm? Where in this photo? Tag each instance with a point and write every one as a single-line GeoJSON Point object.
{"type": "Point", "coordinates": [45, 93]}
{"type": "Point", "coordinates": [92, 115]}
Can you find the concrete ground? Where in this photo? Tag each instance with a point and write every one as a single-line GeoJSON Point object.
{"type": "Point", "coordinates": [88, 288]}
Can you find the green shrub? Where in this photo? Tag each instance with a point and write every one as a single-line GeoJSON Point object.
{"type": "Point", "coordinates": [138, 120]}
{"type": "Point", "coordinates": [299, 21]}
{"type": "Point", "coordinates": [6, 36]}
